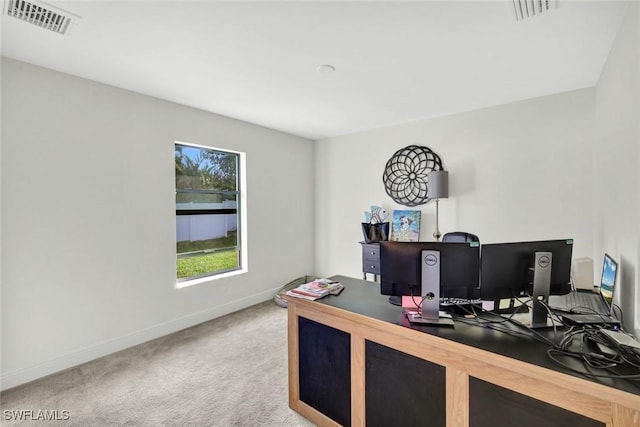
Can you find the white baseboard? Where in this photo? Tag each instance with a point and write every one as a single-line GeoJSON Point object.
{"type": "Point", "coordinates": [24, 375]}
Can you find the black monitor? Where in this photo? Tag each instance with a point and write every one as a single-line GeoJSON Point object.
{"type": "Point", "coordinates": [401, 271]}
{"type": "Point", "coordinates": [507, 268]}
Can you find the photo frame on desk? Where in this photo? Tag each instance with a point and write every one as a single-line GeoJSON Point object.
{"type": "Point", "coordinates": [405, 226]}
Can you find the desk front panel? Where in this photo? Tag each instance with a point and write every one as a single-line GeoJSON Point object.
{"type": "Point", "coordinates": [403, 390]}
{"type": "Point", "coordinates": [325, 370]}
{"type": "Point", "coordinates": [494, 406]}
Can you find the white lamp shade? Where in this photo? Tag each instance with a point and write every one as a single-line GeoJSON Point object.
{"type": "Point", "coordinates": [438, 185]}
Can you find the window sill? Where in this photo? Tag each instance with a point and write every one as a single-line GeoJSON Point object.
{"type": "Point", "coordinates": [193, 282]}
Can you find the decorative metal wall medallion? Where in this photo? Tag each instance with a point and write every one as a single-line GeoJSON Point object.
{"type": "Point", "coordinates": [405, 175]}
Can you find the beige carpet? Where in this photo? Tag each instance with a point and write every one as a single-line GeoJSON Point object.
{"type": "Point", "coordinates": [230, 371]}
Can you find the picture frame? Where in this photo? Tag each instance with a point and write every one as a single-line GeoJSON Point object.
{"type": "Point", "coordinates": [405, 226]}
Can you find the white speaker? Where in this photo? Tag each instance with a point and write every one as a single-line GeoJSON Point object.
{"type": "Point", "coordinates": [582, 273]}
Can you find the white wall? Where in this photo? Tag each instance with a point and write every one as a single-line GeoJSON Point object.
{"type": "Point", "coordinates": [88, 220]}
{"type": "Point", "coordinates": [520, 171]}
{"type": "Point", "coordinates": [617, 163]}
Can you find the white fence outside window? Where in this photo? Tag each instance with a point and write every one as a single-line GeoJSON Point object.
{"type": "Point", "coordinates": [203, 227]}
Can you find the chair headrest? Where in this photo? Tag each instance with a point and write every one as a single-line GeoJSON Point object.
{"type": "Point", "coordinates": [460, 237]}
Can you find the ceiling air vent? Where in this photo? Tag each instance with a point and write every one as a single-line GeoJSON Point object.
{"type": "Point", "coordinates": [525, 9]}
{"type": "Point", "coordinates": [41, 14]}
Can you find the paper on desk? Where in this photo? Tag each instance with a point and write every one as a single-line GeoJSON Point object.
{"type": "Point", "coordinates": [408, 302]}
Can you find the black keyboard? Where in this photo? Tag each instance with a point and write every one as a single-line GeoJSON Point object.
{"type": "Point", "coordinates": [448, 302]}
{"type": "Point", "coordinates": [579, 299]}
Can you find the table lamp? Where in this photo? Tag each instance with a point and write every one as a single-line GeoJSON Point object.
{"type": "Point", "coordinates": [437, 188]}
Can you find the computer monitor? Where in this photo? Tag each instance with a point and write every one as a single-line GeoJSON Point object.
{"type": "Point", "coordinates": [401, 269]}
{"type": "Point", "coordinates": [506, 269]}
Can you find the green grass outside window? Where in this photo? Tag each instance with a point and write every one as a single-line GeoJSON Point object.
{"type": "Point", "coordinates": [207, 263]}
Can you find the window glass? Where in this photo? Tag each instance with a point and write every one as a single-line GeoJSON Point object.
{"type": "Point", "coordinates": [205, 169]}
{"type": "Point", "coordinates": [192, 200]}
{"type": "Point", "coordinates": [207, 214]}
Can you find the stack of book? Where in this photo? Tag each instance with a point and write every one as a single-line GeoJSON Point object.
{"type": "Point", "coordinates": [317, 289]}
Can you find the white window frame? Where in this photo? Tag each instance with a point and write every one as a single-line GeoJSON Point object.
{"type": "Point", "coordinates": [241, 218]}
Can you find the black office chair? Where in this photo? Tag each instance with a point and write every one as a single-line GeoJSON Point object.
{"type": "Point", "coordinates": [460, 237]}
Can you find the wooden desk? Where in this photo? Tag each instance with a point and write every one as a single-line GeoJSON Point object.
{"type": "Point", "coordinates": [355, 360]}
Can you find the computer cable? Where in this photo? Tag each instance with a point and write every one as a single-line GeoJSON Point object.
{"type": "Point", "coordinates": [569, 336]}
{"type": "Point", "coordinates": [530, 333]}
{"type": "Point", "coordinates": [471, 307]}
{"type": "Point", "coordinates": [502, 319]}
{"type": "Point", "coordinates": [592, 357]}
{"type": "Point", "coordinates": [468, 308]}
{"type": "Point", "coordinates": [422, 298]}
{"type": "Point", "coordinates": [572, 282]}
{"type": "Point", "coordinates": [633, 362]}
{"type": "Point", "coordinates": [586, 333]}
{"type": "Point", "coordinates": [616, 356]}
{"type": "Point", "coordinates": [586, 310]}
{"type": "Point", "coordinates": [614, 307]}
{"type": "Point", "coordinates": [631, 355]}
{"type": "Point", "coordinates": [478, 319]}
{"type": "Point", "coordinates": [556, 319]}
{"type": "Point", "coordinates": [413, 299]}
{"type": "Point", "coordinates": [556, 342]}
{"type": "Point", "coordinates": [550, 315]}
{"type": "Point", "coordinates": [534, 331]}
{"type": "Point", "coordinates": [560, 347]}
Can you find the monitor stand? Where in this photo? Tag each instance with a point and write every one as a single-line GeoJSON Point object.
{"type": "Point", "coordinates": [395, 300]}
{"type": "Point", "coordinates": [541, 286]}
{"type": "Point", "coordinates": [430, 307]}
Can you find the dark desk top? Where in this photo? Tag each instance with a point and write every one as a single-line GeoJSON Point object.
{"type": "Point", "coordinates": [363, 297]}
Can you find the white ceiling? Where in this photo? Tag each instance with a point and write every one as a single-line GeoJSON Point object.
{"type": "Point", "coordinates": [395, 61]}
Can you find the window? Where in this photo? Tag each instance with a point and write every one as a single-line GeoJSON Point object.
{"type": "Point", "coordinates": [207, 211]}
